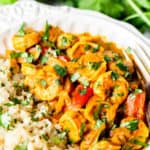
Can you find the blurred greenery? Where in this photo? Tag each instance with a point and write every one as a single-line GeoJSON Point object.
{"type": "Point", "coordinates": [4, 2]}
{"type": "Point", "coordinates": [136, 12]}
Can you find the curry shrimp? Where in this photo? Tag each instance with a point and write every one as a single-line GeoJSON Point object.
{"type": "Point", "coordinates": [70, 91]}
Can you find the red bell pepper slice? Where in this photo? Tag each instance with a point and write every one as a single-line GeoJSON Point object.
{"type": "Point", "coordinates": [135, 105]}
{"type": "Point", "coordinates": [81, 95]}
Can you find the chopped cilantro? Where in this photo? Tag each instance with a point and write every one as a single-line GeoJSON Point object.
{"type": "Point", "coordinates": [116, 57]}
{"type": "Point", "coordinates": [98, 123]}
{"type": "Point", "coordinates": [131, 125]}
{"type": "Point", "coordinates": [21, 31]}
{"type": "Point", "coordinates": [82, 128]}
{"type": "Point", "coordinates": [38, 48]}
{"type": "Point", "coordinates": [107, 58]}
{"type": "Point", "coordinates": [75, 77]}
{"type": "Point", "coordinates": [86, 47]}
{"type": "Point", "coordinates": [137, 91]}
{"type": "Point", "coordinates": [45, 137]}
{"type": "Point", "coordinates": [84, 81]}
{"type": "Point", "coordinates": [97, 112]}
{"type": "Point", "coordinates": [56, 140]}
{"type": "Point", "coordinates": [21, 147]}
{"type": "Point", "coordinates": [15, 54]}
{"type": "Point", "coordinates": [64, 41]}
{"type": "Point", "coordinates": [128, 50]}
{"type": "Point", "coordinates": [83, 91]}
{"type": "Point", "coordinates": [44, 59]}
{"type": "Point", "coordinates": [57, 52]}
{"type": "Point", "coordinates": [121, 66]}
{"type": "Point", "coordinates": [5, 120]}
{"type": "Point", "coordinates": [61, 71]}
{"type": "Point", "coordinates": [95, 49]}
{"type": "Point", "coordinates": [58, 81]}
{"type": "Point", "coordinates": [120, 94]}
{"type": "Point", "coordinates": [74, 60]}
{"type": "Point", "coordinates": [43, 82]}
{"type": "Point", "coordinates": [94, 65]}
{"type": "Point", "coordinates": [114, 75]}
{"type": "Point", "coordinates": [137, 142]}
{"type": "Point", "coordinates": [45, 36]}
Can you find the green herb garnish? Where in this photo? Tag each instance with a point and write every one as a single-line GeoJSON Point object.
{"type": "Point", "coordinates": [75, 77]}
{"type": "Point", "coordinates": [86, 47]}
{"type": "Point", "coordinates": [95, 49]}
{"type": "Point", "coordinates": [131, 125]}
{"type": "Point", "coordinates": [45, 36]}
{"type": "Point", "coordinates": [137, 91]}
{"type": "Point", "coordinates": [83, 91]}
{"type": "Point", "coordinates": [61, 71]}
{"type": "Point", "coordinates": [82, 128]}
{"type": "Point", "coordinates": [121, 66]}
{"type": "Point", "coordinates": [94, 65]}
{"type": "Point", "coordinates": [107, 58]}
{"type": "Point", "coordinates": [114, 75]}
{"type": "Point", "coordinates": [98, 123]}
{"type": "Point", "coordinates": [5, 121]}
{"type": "Point", "coordinates": [137, 142]}
{"type": "Point", "coordinates": [21, 31]}
{"type": "Point", "coordinates": [43, 82]}
{"type": "Point", "coordinates": [21, 147]}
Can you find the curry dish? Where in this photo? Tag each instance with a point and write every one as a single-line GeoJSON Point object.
{"type": "Point", "coordinates": [69, 91]}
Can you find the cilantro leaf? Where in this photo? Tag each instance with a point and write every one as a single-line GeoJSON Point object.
{"type": "Point", "coordinates": [131, 125]}
{"type": "Point", "coordinates": [61, 71]}
{"type": "Point", "coordinates": [45, 36]}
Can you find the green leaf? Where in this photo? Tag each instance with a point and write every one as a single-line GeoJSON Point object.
{"type": "Point", "coordinates": [15, 54]}
{"type": "Point", "coordinates": [61, 71]}
{"type": "Point", "coordinates": [44, 59]}
{"type": "Point", "coordinates": [86, 47]}
{"type": "Point", "coordinates": [122, 66]}
{"type": "Point", "coordinates": [5, 120]}
{"type": "Point", "coordinates": [21, 147]}
{"type": "Point", "coordinates": [82, 128]}
{"type": "Point", "coordinates": [21, 31]}
{"type": "Point", "coordinates": [56, 140]}
{"type": "Point", "coordinates": [114, 75]}
{"type": "Point", "coordinates": [58, 81]}
{"type": "Point", "coordinates": [107, 58]}
{"type": "Point", "coordinates": [137, 142]}
{"type": "Point", "coordinates": [84, 81]}
{"type": "Point", "coordinates": [137, 91]}
{"type": "Point", "coordinates": [83, 91]}
{"type": "Point", "coordinates": [45, 36]}
{"type": "Point", "coordinates": [94, 65]}
{"type": "Point", "coordinates": [4, 2]}
{"type": "Point", "coordinates": [43, 82]}
{"type": "Point", "coordinates": [95, 49]}
{"type": "Point", "coordinates": [131, 125]}
{"type": "Point", "coordinates": [98, 123]}
{"type": "Point", "coordinates": [75, 77]}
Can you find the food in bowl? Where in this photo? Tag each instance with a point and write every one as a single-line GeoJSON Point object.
{"type": "Point", "coordinates": [69, 91]}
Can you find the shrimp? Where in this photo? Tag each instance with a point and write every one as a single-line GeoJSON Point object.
{"type": "Point", "coordinates": [43, 85]}
{"type": "Point", "coordinates": [92, 137]}
{"type": "Point", "coordinates": [119, 136]}
{"type": "Point", "coordinates": [80, 48]}
{"type": "Point", "coordinates": [96, 109]}
{"type": "Point", "coordinates": [24, 42]}
{"type": "Point", "coordinates": [73, 122]}
{"type": "Point", "coordinates": [139, 133]}
{"type": "Point", "coordinates": [111, 81]}
{"type": "Point", "coordinates": [105, 145]}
